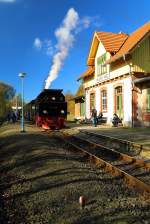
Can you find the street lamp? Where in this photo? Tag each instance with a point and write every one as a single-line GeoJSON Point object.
{"type": "Point", "coordinates": [22, 75]}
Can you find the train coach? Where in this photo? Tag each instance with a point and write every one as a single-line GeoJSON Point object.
{"type": "Point", "coordinates": [48, 110]}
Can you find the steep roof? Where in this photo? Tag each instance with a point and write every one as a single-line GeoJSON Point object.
{"type": "Point", "coordinates": [112, 41]}
{"type": "Point", "coordinates": [118, 43]}
{"type": "Point", "coordinates": [87, 73]}
{"type": "Point", "coordinates": [131, 42]}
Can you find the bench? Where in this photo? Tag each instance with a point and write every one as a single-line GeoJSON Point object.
{"type": "Point", "coordinates": [102, 120]}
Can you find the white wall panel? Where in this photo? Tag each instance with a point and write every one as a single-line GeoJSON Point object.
{"type": "Point", "coordinates": [127, 92]}
{"type": "Point", "coordinates": [110, 101]}
{"type": "Point", "coordinates": [87, 104]}
{"type": "Point", "coordinates": [97, 92]}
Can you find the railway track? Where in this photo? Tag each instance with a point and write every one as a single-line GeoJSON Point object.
{"type": "Point", "coordinates": [130, 148]}
{"type": "Point", "coordinates": [135, 172]}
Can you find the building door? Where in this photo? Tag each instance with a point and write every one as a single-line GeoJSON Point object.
{"type": "Point", "coordinates": [118, 100]}
{"type": "Point", "coordinates": [82, 108]}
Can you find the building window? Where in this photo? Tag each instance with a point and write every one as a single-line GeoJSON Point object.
{"type": "Point", "coordinates": [148, 100]}
{"type": "Point", "coordinates": [92, 101]}
{"type": "Point", "coordinates": [101, 67]}
{"type": "Point", "coordinates": [104, 100]}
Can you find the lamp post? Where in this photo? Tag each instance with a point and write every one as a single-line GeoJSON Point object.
{"type": "Point", "coordinates": [22, 75]}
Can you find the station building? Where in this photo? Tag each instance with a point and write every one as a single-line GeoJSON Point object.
{"type": "Point", "coordinates": [117, 79]}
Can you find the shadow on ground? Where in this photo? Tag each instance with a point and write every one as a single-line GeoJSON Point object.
{"type": "Point", "coordinates": [41, 182]}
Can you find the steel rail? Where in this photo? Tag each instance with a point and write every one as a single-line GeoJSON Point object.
{"type": "Point", "coordinates": [127, 142]}
{"type": "Point", "coordinates": [115, 171]}
{"type": "Point", "coordinates": [122, 156]}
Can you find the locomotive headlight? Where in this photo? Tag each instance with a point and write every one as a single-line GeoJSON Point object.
{"type": "Point", "coordinates": [62, 111]}
{"type": "Point", "coordinates": [53, 98]}
{"type": "Point", "coordinates": [45, 112]}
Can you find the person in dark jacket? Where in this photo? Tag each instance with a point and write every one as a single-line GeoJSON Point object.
{"type": "Point", "coordinates": [94, 116]}
{"type": "Point", "coordinates": [115, 120]}
{"type": "Point", "coordinates": [13, 117]}
{"type": "Point", "coordinates": [99, 117]}
{"type": "Point", "coordinates": [8, 116]}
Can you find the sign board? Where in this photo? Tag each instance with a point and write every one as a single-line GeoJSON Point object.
{"type": "Point", "coordinates": [102, 78]}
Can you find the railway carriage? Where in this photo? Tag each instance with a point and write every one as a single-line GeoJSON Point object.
{"type": "Point", "coordinates": [49, 109]}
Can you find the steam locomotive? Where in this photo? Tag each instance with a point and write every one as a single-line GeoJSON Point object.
{"type": "Point", "coordinates": [48, 110]}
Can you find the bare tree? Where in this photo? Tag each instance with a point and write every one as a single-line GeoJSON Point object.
{"type": "Point", "coordinates": [70, 104]}
{"type": "Point", "coordinates": [7, 92]}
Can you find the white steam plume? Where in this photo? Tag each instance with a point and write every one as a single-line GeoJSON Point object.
{"type": "Point", "coordinates": [65, 38]}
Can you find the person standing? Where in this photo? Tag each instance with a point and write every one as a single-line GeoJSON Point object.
{"type": "Point", "coordinates": [13, 117]}
{"type": "Point", "coordinates": [94, 117]}
{"type": "Point", "coordinates": [8, 116]}
{"type": "Point", "coordinates": [99, 117]}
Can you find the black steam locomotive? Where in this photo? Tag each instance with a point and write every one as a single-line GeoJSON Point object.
{"type": "Point", "coordinates": [48, 110]}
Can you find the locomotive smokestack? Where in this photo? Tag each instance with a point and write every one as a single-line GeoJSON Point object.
{"type": "Point", "coordinates": [65, 38]}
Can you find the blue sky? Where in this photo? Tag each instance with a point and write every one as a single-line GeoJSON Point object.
{"type": "Point", "coordinates": [28, 40]}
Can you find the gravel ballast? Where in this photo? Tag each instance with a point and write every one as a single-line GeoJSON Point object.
{"type": "Point", "coordinates": [41, 180]}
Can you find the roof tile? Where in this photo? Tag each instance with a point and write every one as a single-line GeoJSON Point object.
{"type": "Point", "coordinates": [112, 41]}
{"type": "Point", "coordinates": [131, 41]}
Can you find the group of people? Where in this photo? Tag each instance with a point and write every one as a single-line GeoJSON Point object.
{"type": "Point", "coordinates": [12, 116]}
{"type": "Point", "coordinates": [97, 119]}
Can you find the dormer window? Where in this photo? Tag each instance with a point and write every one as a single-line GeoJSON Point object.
{"type": "Point", "coordinates": [101, 67]}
